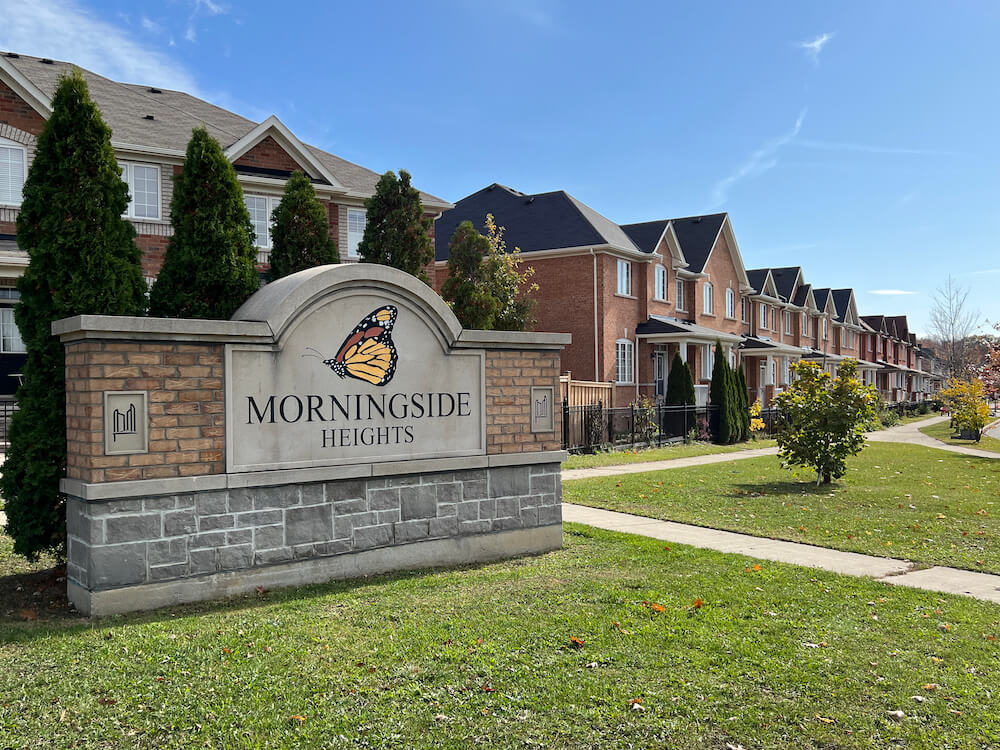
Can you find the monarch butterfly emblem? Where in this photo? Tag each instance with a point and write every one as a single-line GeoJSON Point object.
{"type": "Point", "coordinates": [368, 352]}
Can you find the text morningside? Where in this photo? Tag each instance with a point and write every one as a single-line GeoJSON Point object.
{"type": "Point", "coordinates": [357, 407]}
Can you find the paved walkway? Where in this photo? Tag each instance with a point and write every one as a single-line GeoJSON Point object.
{"type": "Point", "coordinates": [897, 572]}
{"type": "Point", "coordinates": [911, 434]}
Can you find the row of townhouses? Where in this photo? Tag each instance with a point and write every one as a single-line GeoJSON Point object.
{"type": "Point", "coordinates": [634, 295]}
{"type": "Point", "coordinates": [631, 295]}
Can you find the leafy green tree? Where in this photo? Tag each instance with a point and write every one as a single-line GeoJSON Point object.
{"type": "Point", "coordinates": [507, 283]}
{"type": "Point", "coordinates": [680, 384]}
{"type": "Point", "coordinates": [82, 260]}
{"type": "Point", "coordinates": [300, 237]}
{"type": "Point", "coordinates": [465, 287]}
{"type": "Point", "coordinates": [826, 418]}
{"type": "Point", "coordinates": [209, 268]}
{"type": "Point", "coordinates": [721, 397]}
{"type": "Point", "coordinates": [743, 405]}
{"type": "Point", "coordinates": [396, 232]}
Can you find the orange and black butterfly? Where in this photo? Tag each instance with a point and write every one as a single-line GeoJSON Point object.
{"type": "Point", "coordinates": [368, 352]}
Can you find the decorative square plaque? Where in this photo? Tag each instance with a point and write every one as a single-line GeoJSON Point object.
{"type": "Point", "coordinates": [542, 409]}
{"type": "Point", "coordinates": [126, 420]}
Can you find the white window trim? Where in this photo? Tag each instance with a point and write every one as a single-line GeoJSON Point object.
{"type": "Point", "coordinates": [679, 288]}
{"type": "Point", "coordinates": [624, 362]}
{"type": "Point", "coordinates": [826, 329]}
{"type": "Point", "coordinates": [18, 343]}
{"type": "Point", "coordinates": [707, 361]}
{"type": "Point", "coordinates": [624, 278]}
{"type": "Point", "coordinates": [14, 146]}
{"type": "Point", "coordinates": [708, 299]}
{"type": "Point", "coordinates": [788, 322]}
{"type": "Point", "coordinates": [270, 203]}
{"type": "Point", "coordinates": [352, 248]}
{"type": "Point", "coordinates": [730, 304]}
{"type": "Point", "coordinates": [128, 178]}
{"type": "Point", "coordinates": [763, 316]}
{"type": "Point", "coordinates": [660, 290]}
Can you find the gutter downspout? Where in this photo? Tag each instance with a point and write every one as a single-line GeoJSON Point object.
{"type": "Point", "coordinates": [596, 361]}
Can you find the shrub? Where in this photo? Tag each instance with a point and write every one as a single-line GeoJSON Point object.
{"type": "Point", "coordinates": [300, 237]}
{"type": "Point", "coordinates": [507, 283]}
{"type": "Point", "coordinates": [82, 260]}
{"type": "Point", "coordinates": [465, 289]}
{"type": "Point", "coordinates": [396, 230]}
{"type": "Point", "coordinates": [209, 267]}
{"type": "Point", "coordinates": [680, 383]}
{"type": "Point", "coordinates": [644, 420]}
{"type": "Point", "coordinates": [967, 402]}
{"type": "Point", "coordinates": [721, 395]}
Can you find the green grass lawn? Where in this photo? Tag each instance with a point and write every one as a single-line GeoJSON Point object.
{"type": "Point", "coordinates": [904, 501]}
{"type": "Point", "coordinates": [943, 432]}
{"type": "Point", "coordinates": [780, 657]}
{"type": "Point", "coordinates": [667, 452]}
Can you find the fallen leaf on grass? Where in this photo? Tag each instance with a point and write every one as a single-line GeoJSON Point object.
{"type": "Point", "coordinates": [106, 701]}
{"type": "Point", "coordinates": [931, 686]}
{"type": "Point", "coordinates": [297, 718]}
{"type": "Point", "coordinates": [27, 614]}
{"type": "Point", "coordinates": [487, 688]}
{"type": "Point", "coordinates": [954, 711]}
{"type": "Point", "coordinates": [575, 642]}
{"type": "Point", "coordinates": [657, 607]}
{"type": "Point", "coordinates": [897, 715]}
{"type": "Point", "coordinates": [697, 603]}
{"type": "Point", "coordinates": [824, 719]}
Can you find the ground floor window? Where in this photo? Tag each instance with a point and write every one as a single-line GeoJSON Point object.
{"type": "Point", "coordinates": [624, 356]}
{"type": "Point", "coordinates": [10, 336]}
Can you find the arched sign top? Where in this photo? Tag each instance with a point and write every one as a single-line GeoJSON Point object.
{"type": "Point", "coordinates": [281, 302]}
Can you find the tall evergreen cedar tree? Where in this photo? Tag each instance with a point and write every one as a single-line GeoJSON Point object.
{"type": "Point", "coordinates": [721, 395]}
{"type": "Point", "coordinates": [82, 260]}
{"type": "Point", "coordinates": [680, 383]}
{"type": "Point", "coordinates": [396, 230]}
{"type": "Point", "coordinates": [743, 403]}
{"type": "Point", "coordinates": [465, 288]}
{"type": "Point", "coordinates": [209, 267]}
{"type": "Point", "coordinates": [300, 237]}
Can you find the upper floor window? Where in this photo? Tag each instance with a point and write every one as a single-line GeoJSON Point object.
{"type": "Point", "coordinates": [660, 283]}
{"type": "Point", "coordinates": [356, 220]}
{"type": "Point", "coordinates": [260, 207]}
{"type": "Point", "coordinates": [624, 354]}
{"type": "Point", "coordinates": [624, 277]}
{"type": "Point", "coordinates": [708, 303]}
{"type": "Point", "coordinates": [744, 309]}
{"type": "Point", "coordinates": [788, 323]}
{"type": "Point", "coordinates": [763, 316]}
{"type": "Point", "coordinates": [681, 304]}
{"type": "Point", "coordinates": [13, 158]}
{"type": "Point", "coordinates": [143, 182]}
{"type": "Point", "coordinates": [730, 303]}
{"type": "Point", "coordinates": [10, 336]}
{"type": "Point", "coordinates": [826, 328]}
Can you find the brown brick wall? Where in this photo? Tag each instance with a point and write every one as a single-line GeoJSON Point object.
{"type": "Point", "coordinates": [269, 155]}
{"type": "Point", "coordinates": [18, 113]}
{"type": "Point", "coordinates": [509, 378]}
{"type": "Point", "coordinates": [153, 247]}
{"type": "Point", "coordinates": [186, 408]}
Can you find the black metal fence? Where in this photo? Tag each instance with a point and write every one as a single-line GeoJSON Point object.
{"type": "Point", "coordinates": [7, 408]}
{"type": "Point", "coordinates": [593, 427]}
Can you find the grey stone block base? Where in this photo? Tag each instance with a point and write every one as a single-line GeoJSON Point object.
{"type": "Point", "coordinates": [433, 553]}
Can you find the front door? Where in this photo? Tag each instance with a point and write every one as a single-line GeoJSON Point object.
{"type": "Point", "coordinates": [660, 373]}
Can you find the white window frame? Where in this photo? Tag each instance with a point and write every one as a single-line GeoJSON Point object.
{"type": "Point", "coordinates": [786, 370]}
{"type": "Point", "coordinates": [707, 361]}
{"type": "Point", "coordinates": [660, 282]}
{"type": "Point", "coordinates": [16, 188]}
{"type": "Point", "coordinates": [10, 332]}
{"type": "Point", "coordinates": [354, 237]}
{"type": "Point", "coordinates": [270, 203]}
{"type": "Point", "coordinates": [708, 299]}
{"type": "Point", "coordinates": [805, 323]}
{"type": "Point", "coordinates": [624, 278]}
{"type": "Point", "coordinates": [763, 316]}
{"type": "Point", "coordinates": [128, 177]}
{"type": "Point", "coordinates": [730, 304]}
{"type": "Point", "coordinates": [624, 362]}
{"type": "Point", "coordinates": [826, 329]}
{"type": "Point", "coordinates": [788, 321]}
{"type": "Point", "coordinates": [680, 295]}
{"type": "Point", "coordinates": [745, 309]}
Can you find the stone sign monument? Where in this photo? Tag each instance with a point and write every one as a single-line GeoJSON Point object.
{"type": "Point", "coordinates": [341, 424]}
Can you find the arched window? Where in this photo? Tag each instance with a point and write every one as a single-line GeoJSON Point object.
{"type": "Point", "coordinates": [730, 303]}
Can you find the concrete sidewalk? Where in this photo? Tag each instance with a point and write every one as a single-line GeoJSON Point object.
{"type": "Point", "coordinates": [911, 434]}
{"type": "Point", "coordinates": [897, 572]}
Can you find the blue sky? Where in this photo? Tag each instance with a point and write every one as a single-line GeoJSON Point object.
{"type": "Point", "coordinates": [857, 139]}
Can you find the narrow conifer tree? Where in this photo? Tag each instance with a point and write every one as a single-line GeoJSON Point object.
{"type": "Point", "coordinates": [465, 287]}
{"type": "Point", "coordinates": [744, 402]}
{"type": "Point", "coordinates": [300, 237]}
{"type": "Point", "coordinates": [677, 392]}
{"type": "Point", "coordinates": [209, 268]}
{"type": "Point", "coordinates": [720, 394]}
{"type": "Point", "coordinates": [396, 230]}
{"type": "Point", "coordinates": [82, 260]}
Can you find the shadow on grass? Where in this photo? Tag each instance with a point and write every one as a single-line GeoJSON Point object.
{"type": "Point", "coordinates": [69, 623]}
{"type": "Point", "coordinates": [764, 489]}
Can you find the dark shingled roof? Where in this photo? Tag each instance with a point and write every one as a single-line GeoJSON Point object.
{"type": "Point", "coordinates": [545, 221]}
{"type": "Point", "coordinates": [876, 322]}
{"type": "Point", "coordinates": [842, 302]}
{"type": "Point", "coordinates": [902, 327]}
{"type": "Point", "coordinates": [821, 295]}
{"type": "Point", "coordinates": [800, 295]}
{"type": "Point", "coordinates": [784, 280]}
{"type": "Point", "coordinates": [757, 278]}
{"type": "Point", "coordinates": [696, 235]}
{"type": "Point", "coordinates": [646, 234]}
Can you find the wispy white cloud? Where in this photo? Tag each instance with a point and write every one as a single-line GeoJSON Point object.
{"type": "Point", "coordinates": [814, 47]}
{"type": "Point", "coordinates": [201, 8]}
{"type": "Point", "coordinates": [890, 292]}
{"type": "Point", "coordinates": [865, 148]}
{"type": "Point", "coordinates": [148, 24]}
{"type": "Point", "coordinates": [62, 30]}
{"type": "Point", "coordinates": [760, 161]}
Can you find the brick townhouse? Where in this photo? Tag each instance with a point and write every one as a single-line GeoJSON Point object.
{"type": "Point", "coordinates": [634, 295]}
{"type": "Point", "coordinates": [150, 130]}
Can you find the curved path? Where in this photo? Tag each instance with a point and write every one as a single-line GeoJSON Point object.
{"type": "Point", "coordinates": [910, 433]}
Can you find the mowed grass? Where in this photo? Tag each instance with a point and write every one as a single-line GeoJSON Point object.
{"type": "Point", "coordinates": [906, 501]}
{"type": "Point", "coordinates": [943, 432]}
{"type": "Point", "coordinates": [775, 656]}
{"type": "Point", "coordinates": [666, 453]}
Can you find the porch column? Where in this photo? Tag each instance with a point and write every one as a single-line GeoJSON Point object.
{"type": "Point", "coordinates": [684, 351]}
{"type": "Point", "coordinates": [768, 371]}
